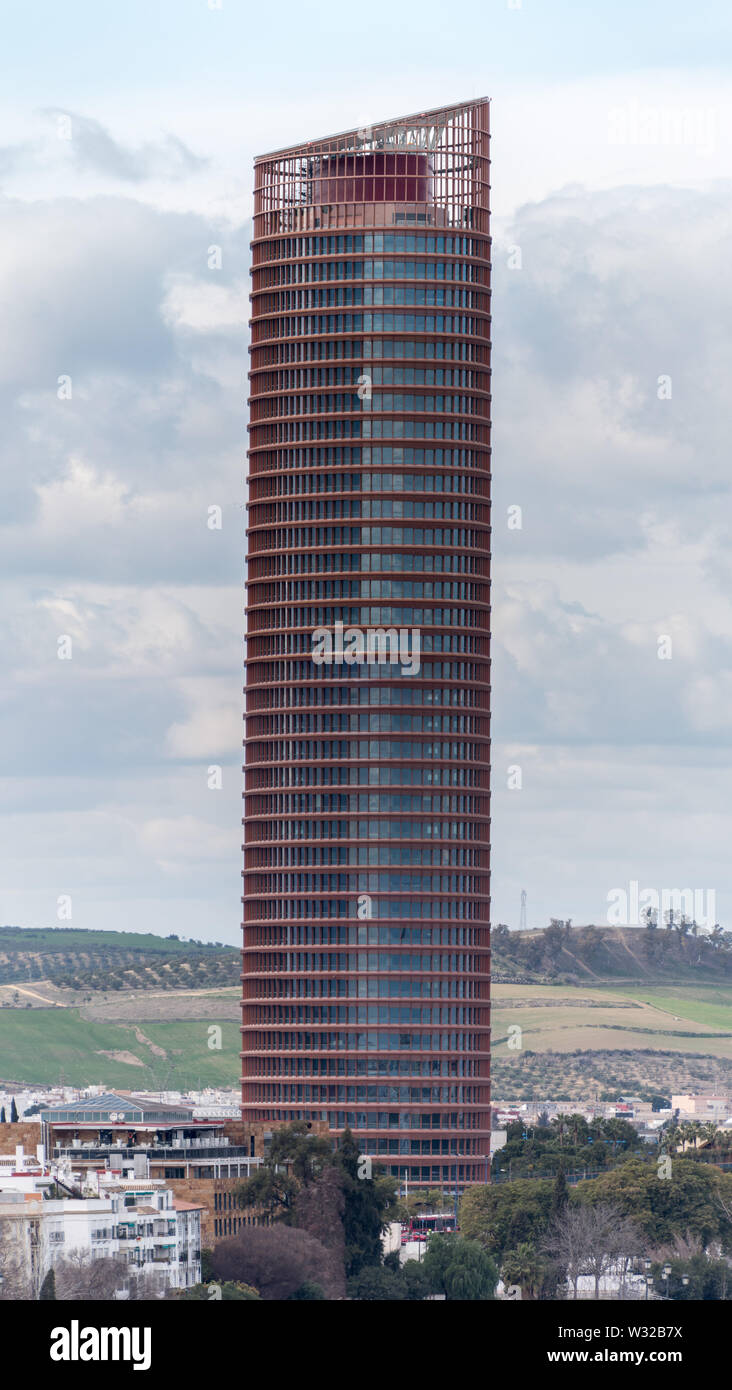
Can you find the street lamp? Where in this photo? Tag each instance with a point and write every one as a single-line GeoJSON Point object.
{"type": "Point", "coordinates": [649, 1284]}
{"type": "Point", "coordinates": [667, 1276]}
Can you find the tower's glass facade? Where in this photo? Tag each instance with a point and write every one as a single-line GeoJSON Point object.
{"type": "Point", "coordinates": [366, 871]}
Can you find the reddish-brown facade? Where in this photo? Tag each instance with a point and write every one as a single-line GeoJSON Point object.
{"type": "Point", "coordinates": [366, 872]}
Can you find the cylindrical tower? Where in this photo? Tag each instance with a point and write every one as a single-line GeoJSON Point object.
{"type": "Point", "coordinates": [366, 871]}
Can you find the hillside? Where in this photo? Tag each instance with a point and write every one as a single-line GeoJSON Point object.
{"type": "Point", "coordinates": [105, 961]}
{"type": "Point", "coordinates": [612, 955]}
{"type": "Point", "coordinates": [117, 1009]}
{"type": "Point", "coordinates": [609, 1011]}
{"type": "Point", "coordinates": [48, 1046]}
{"type": "Point", "coordinates": [95, 961]}
{"type": "Point", "coordinates": [601, 1011]}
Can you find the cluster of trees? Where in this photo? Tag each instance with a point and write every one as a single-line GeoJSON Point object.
{"type": "Point", "coordinates": [113, 960]}
{"type": "Point", "coordinates": [453, 1268]}
{"type": "Point", "coordinates": [701, 1136]}
{"type": "Point", "coordinates": [79, 1276]}
{"type": "Point", "coordinates": [560, 946]}
{"type": "Point", "coordinates": [285, 1263]}
{"type": "Point", "coordinates": [84, 1277]}
{"type": "Point", "coordinates": [544, 1236]}
{"type": "Point", "coordinates": [14, 1117]}
{"type": "Point", "coordinates": [568, 1142]}
{"type": "Point", "coordinates": [323, 1239]}
{"type": "Point", "coordinates": [325, 1212]}
{"type": "Point", "coordinates": [179, 972]}
{"type": "Point", "coordinates": [553, 948]}
{"type": "Point", "coordinates": [699, 1139]}
{"type": "Point", "coordinates": [684, 925]}
{"type": "Point", "coordinates": [679, 935]}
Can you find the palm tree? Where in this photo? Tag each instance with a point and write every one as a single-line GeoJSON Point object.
{"type": "Point", "coordinates": [670, 1137]}
{"type": "Point", "coordinates": [525, 1267]}
{"type": "Point", "coordinates": [723, 1141]}
{"type": "Point", "coordinates": [691, 1131]}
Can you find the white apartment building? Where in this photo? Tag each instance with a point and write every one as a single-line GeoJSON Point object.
{"type": "Point", "coordinates": [137, 1219]}
{"type": "Point", "coordinates": [159, 1234]}
{"type": "Point", "coordinates": [77, 1224]}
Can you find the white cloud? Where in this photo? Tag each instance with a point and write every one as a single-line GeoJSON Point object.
{"type": "Point", "coordinates": [213, 727]}
{"type": "Point", "coordinates": [207, 307]}
{"type": "Point", "coordinates": [626, 506]}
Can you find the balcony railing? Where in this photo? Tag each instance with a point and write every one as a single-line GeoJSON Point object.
{"type": "Point", "coordinates": [188, 1151]}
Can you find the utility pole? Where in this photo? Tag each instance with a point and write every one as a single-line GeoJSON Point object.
{"type": "Point", "coordinates": [522, 922]}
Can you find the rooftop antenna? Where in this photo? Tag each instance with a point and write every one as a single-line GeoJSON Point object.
{"type": "Point", "coordinates": [522, 923]}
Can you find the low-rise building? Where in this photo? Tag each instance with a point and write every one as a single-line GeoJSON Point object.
{"type": "Point", "coordinates": [702, 1107]}
{"type": "Point", "coordinates": [137, 1219]}
{"type": "Point", "coordinates": [201, 1158]}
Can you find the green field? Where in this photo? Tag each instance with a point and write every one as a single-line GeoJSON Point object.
{"type": "Point", "coordinates": [576, 1041]}
{"type": "Point", "coordinates": [562, 1018]}
{"type": "Point", "coordinates": [43, 1045]}
{"type": "Point", "coordinates": [707, 1004]}
{"type": "Point", "coordinates": [666, 1034]}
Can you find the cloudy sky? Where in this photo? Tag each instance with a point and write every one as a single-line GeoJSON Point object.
{"type": "Point", "coordinates": [128, 134]}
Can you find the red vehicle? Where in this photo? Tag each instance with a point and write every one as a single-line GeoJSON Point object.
{"type": "Point", "coordinates": [422, 1226]}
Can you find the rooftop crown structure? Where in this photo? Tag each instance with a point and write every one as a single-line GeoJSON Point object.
{"type": "Point", "coordinates": [366, 872]}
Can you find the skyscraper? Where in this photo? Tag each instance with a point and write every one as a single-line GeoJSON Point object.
{"type": "Point", "coordinates": [366, 872]}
